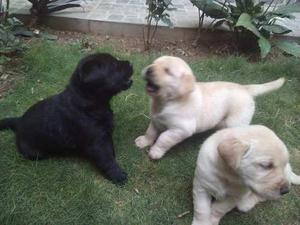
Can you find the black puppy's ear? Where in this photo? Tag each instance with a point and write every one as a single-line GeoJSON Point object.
{"type": "Point", "coordinates": [90, 71]}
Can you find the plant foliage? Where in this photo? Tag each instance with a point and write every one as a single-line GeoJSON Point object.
{"type": "Point", "coordinates": [261, 19]}
{"type": "Point", "coordinates": [9, 43]}
{"type": "Point", "coordinates": [156, 12]}
{"type": "Point", "coordinates": [3, 10]}
{"type": "Point", "coordinates": [42, 7]}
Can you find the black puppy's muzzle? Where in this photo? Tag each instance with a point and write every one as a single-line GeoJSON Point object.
{"type": "Point", "coordinates": [128, 68]}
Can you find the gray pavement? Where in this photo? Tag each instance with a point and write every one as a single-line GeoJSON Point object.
{"type": "Point", "coordinates": [133, 12]}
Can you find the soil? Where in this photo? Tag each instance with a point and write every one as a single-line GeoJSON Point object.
{"type": "Point", "coordinates": [179, 48]}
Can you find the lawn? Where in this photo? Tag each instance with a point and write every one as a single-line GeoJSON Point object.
{"type": "Point", "coordinates": [70, 191]}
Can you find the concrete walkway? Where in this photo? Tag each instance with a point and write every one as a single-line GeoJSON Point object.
{"type": "Point", "coordinates": [121, 12]}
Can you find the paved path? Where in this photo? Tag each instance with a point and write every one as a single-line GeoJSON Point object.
{"type": "Point", "coordinates": [122, 11]}
{"type": "Point", "coordinates": [132, 12]}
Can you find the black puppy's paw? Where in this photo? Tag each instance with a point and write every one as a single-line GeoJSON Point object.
{"type": "Point", "coordinates": [117, 176]}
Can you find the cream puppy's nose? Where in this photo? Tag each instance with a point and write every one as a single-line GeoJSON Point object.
{"type": "Point", "coordinates": [149, 72]}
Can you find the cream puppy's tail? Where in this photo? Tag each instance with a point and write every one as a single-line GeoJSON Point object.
{"type": "Point", "coordinates": [259, 89]}
{"type": "Point", "coordinates": [293, 178]}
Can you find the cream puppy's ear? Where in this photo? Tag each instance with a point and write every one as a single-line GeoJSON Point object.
{"type": "Point", "coordinates": [232, 150]}
{"type": "Point", "coordinates": [187, 84]}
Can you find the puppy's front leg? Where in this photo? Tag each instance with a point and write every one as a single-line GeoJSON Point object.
{"type": "Point", "coordinates": [147, 139]}
{"type": "Point", "coordinates": [202, 205]}
{"type": "Point", "coordinates": [102, 154]}
{"type": "Point", "coordinates": [220, 208]}
{"type": "Point", "coordinates": [248, 201]}
{"type": "Point", "coordinates": [167, 140]}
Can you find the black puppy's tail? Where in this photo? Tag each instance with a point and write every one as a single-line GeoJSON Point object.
{"type": "Point", "coordinates": [9, 123]}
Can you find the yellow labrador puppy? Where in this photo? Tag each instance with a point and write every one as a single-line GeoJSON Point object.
{"type": "Point", "coordinates": [181, 106]}
{"type": "Point", "coordinates": [239, 167]}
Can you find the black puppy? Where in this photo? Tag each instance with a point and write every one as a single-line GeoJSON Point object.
{"type": "Point", "coordinates": [79, 119]}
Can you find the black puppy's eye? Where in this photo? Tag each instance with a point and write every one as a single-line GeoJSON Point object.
{"type": "Point", "coordinates": [267, 166]}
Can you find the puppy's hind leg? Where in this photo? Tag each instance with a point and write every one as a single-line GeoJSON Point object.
{"type": "Point", "coordinates": [30, 152]}
{"type": "Point", "coordinates": [240, 115]}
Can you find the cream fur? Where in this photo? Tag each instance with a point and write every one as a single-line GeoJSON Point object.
{"type": "Point", "coordinates": [243, 179]}
{"type": "Point", "coordinates": [182, 107]}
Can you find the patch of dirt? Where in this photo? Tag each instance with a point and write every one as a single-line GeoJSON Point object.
{"type": "Point", "coordinates": [180, 48]}
{"type": "Point", "coordinates": [202, 48]}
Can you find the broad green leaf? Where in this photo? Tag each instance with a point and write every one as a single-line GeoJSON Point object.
{"type": "Point", "coordinates": [276, 29]}
{"type": "Point", "coordinates": [167, 21]}
{"type": "Point", "coordinates": [54, 4]}
{"type": "Point", "coordinates": [246, 22]}
{"type": "Point", "coordinates": [265, 47]}
{"type": "Point", "coordinates": [168, 2]}
{"type": "Point", "coordinates": [211, 8]}
{"type": "Point", "coordinates": [16, 21]}
{"type": "Point", "coordinates": [23, 33]}
{"type": "Point", "coordinates": [287, 9]}
{"type": "Point", "coordinates": [219, 23]}
{"type": "Point", "coordinates": [271, 15]}
{"type": "Point", "coordinates": [216, 11]}
{"type": "Point", "coordinates": [289, 47]}
{"type": "Point", "coordinates": [200, 4]}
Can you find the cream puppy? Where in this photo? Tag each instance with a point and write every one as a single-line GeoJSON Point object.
{"type": "Point", "coordinates": [182, 107]}
{"type": "Point", "coordinates": [239, 167]}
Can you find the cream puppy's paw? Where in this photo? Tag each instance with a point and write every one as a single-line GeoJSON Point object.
{"type": "Point", "coordinates": [142, 142]}
{"type": "Point", "coordinates": [156, 153]}
{"type": "Point", "coordinates": [196, 222]}
{"type": "Point", "coordinates": [215, 221]}
{"type": "Point", "coordinates": [248, 201]}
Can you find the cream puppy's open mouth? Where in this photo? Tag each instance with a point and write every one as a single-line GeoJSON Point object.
{"type": "Point", "coordinates": [151, 87]}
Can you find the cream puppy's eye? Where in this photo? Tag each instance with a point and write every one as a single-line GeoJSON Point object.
{"type": "Point", "coordinates": [167, 71]}
{"type": "Point", "coordinates": [266, 165]}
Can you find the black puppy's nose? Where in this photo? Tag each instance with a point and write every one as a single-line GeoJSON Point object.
{"type": "Point", "coordinates": [284, 190]}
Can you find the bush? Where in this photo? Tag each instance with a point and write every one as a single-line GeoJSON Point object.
{"type": "Point", "coordinates": [156, 12]}
{"type": "Point", "coordinates": [43, 7]}
{"type": "Point", "coordinates": [253, 23]}
{"type": "Point", "coordinates": [9, 44]}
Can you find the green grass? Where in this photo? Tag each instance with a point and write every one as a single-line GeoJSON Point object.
{"type": "Point", "coordinates": [70, 191]}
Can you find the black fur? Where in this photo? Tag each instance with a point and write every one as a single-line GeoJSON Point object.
{"type": "Point", "coordinates": [78, 120]}
{"type": "Point", "coordinates": [9, 123]}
